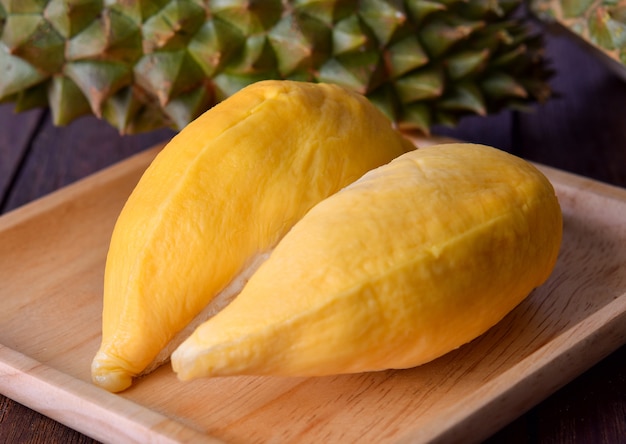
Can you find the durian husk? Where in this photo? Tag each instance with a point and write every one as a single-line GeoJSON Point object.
{"type": "Point", "coordinates": [597, 26]}
{"type": "Point", "coordinates": [143, 65]}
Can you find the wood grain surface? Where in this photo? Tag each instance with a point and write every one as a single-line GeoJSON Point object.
{"type": "Point", "coordinates": [581, 131]}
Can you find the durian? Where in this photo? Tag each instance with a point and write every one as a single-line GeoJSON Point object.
{"type": "Point", "coordinates": [142, 65]}
{"type": "Point", "coordinates": [601, 24]}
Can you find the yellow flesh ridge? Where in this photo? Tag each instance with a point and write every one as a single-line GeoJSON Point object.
{"type": "Point", "coordinates": [224, 190]}
{"type": "Point", "coordinates": [413, 260]}
{"type": "Point", "coordinates": [221, 300]}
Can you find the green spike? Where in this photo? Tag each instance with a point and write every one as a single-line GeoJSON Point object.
{"type": "Point", "coordinates": [173, 26]}
{"type": "Point", "coordinates": [147, 118]}
{"type": "Point", "coordinates": [464, 97]}
{"type": "Point", "coordinates": [499, 85]}
{"type": "Point", "coordinates": [420, 9]}
{"type": "Point", "coordinates": [292, 49]}
{"type": "Point", "coordinates": [297, 42]}
{"type": "Point", "coordinates": [496, 37]}
{"type": "Point", "coordinates": [464, 63]}
{"type": "Point", "coordinates": [19, 28]}
{"type": "Point", "coordinates": [516, 35]}
{"type": "Point", "coordinates": [249, 16]}
{"type": "Point", "coordinates": [360, 72]}
{"type": "Point", "coordinates": [17, 74]}
{"type": "Point", "coordinates": [385, 100]}
{"type": "Point", "coordinates": [45, 50]}
{"type": "Point", "coordinates": [24, 6]}
{"type": "Point", "coordinates": [137, 10]}
{"type": "Point", "coordinates": [445, 118]}
{"type": "Point", "coordinates": [509, 57]}
{"type": "Point", "coordinates": [33, 97]}
{"type": "Point", "coordinates": [480, 9]}
{"type": "Point", "coordinates": [214, 45]}
{"type": "Point", "coordinates": [406, 55]}
{"type": "Point", "coordinates": [301, 76]}
{"type": "Point", "coordinates": [417, 116]}
{"type": "Point", "coordinates": [227, 84]}
{"type": "Point", "coordinates": [66, 100]}
{"type": "Point", "coordinates": [113, 37]}
{"type": "Point", "coordinates": [575, 8]}
{"type": "Point", "coordinates": [167, 74]}
{"type": "Point", "coordinates": [384, 17]}
{"type": "Point", "coordinates": [121, 108]}
{"type": "Point", "coordinates": [425, 84]}
{"type": "Point", "coordinates": [325, 11]}
{"type": "Point", "coordinates": [334, 71]}
{"type": "Point", "coordinates": [492, 38]}
{"type": "Point", "coordinates": [350, 36]}
{"type": "Point", "coordinates": [256, 56]}
{"type": "Point", "coordinates": [69, 17]}
{"type": "Point", "coordinates": [187, 106]}
{"type": "Point", "coordinates": [606, 32]}
{"type": "Point", "coordinates": [11, 98]}
{"type": "Point", "coordinates": [98, 80]}
{"type": "Point", "coordinates": [33, 39]}
{"type": "Point", "coordinates": [439, 36]}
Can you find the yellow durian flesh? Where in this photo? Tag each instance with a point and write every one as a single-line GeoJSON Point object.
{"type": "Point", "coordinates": [413, 260]}
{"type": "Point", "coordinates": [221, 193]}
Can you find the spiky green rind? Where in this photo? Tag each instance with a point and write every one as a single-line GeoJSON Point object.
{"type": "Point", "coordinates": [24, 6]}
{"type": "Point", "coordinates": [601, 23]}
{"type": "Point", "coordinates": [143, 65]}
{"type": "Point", "coordinates": [66, 100]}
{"type": "Point", "coordinates": [68, 18]}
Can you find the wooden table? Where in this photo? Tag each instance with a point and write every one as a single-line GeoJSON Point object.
{"type": "Point", "coordinates": [582, 131]}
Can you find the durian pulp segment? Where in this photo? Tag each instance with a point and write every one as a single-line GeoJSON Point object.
{"type": "Point", "coordinates": [413, 260]}
{"type": "Point", "coordinates": [221, 300]}
{"type": "Point", "coordinates": [223, 191]}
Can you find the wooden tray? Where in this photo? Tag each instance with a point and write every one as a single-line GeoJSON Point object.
{"type": "Point", "coordinates": [52, 254]}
